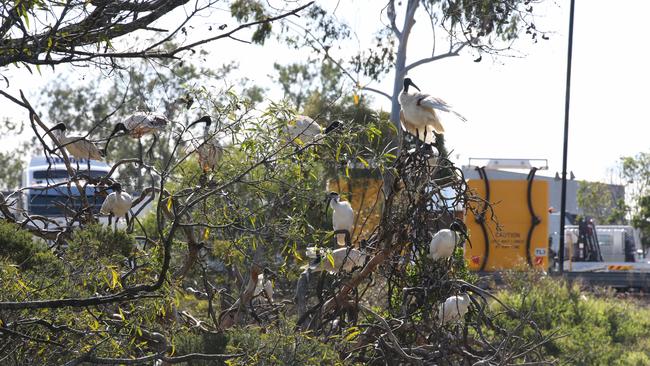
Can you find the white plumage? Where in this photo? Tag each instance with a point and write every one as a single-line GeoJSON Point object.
{"type": "Point", "coordinates": [442, 244]}
{"type": "Point", "coordinates": [116, 204]}
{"type": "Point", "coordinates": [342, 217]}
{"type": "Point", "coordinates": [210, 151]}
{"type": "Point", "coordinates": [454, 308]}
{"type": "Point", "coordinates": [344, 259]}
{"type": "Point", "coordinates": [303, 130]}
{"type": "Point", "coordinates": [139, 124]}
{"type": "Point", "coordinates": [264, 286]}
{"type": "Point", "coordinates": [418, 114]}
{"type": "Point", "coordinates": [77, 146]}
{"type": "Point", "coordinates": [209, 154]}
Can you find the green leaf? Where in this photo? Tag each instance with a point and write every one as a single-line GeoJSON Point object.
{"type": "Point", "coordinates": [114, 278]}
{"type": "Point", "coordinates": [169, 204]}
{"type": "Point", "coordinates": [330, 258]}
{"type": "Point", "coordinates": [206, 233]}
{"type": "Point", "coordinates": [363, 161]}
{"type": "Point", "coordinates": [353, 333]}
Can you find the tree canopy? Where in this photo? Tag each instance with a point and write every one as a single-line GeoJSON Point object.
{"type": "Point", "coordinates": [220, 270]}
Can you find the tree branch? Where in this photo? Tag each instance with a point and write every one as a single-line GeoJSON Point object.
{"type": "Point", "coordinates": [426, 60]}
{"type": "Point", "coordinates": [390, 11]}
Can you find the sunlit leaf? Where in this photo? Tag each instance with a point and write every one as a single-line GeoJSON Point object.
{"type": "Point", "coordinates": [114, 278]}
{"type": "Point", "coordinates": [363, 161]}
{"type": "Point", "coordinates": [330, 258]}
{"type": "Point", "coordinates": [206, 233]}
{"type": "Point", "coordinates": [353, 333]}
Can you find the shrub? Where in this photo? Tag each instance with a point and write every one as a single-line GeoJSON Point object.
{"type": "Point", "coordinates": [279, 346]}
{"type": "Point", "coordinates": [588, 329]}
{"type": "Point", "coordinates": [19, 247]}
{"type": "Point", "coordinates": [97, 240]}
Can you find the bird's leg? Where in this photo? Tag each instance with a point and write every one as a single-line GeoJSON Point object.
{"type": "Point", "coordinates": [150, 150]}
{"type": "Point", "coordinates": [110, 219]}
{"type": "Point", "coordinates": [128, 224]}
{"type": "Point", "coordinates": [140, 149]}
{"type": "Point", "coordinates": [348, 238]}
{"type": "Point", "coordinates": [88, 163]}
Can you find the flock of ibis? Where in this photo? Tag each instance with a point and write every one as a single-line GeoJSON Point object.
{"type": "Point", "coordinates": [419, 116]}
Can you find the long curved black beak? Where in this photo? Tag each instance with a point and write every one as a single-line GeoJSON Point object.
{"type": "Point", "coordinates": [116, 129]}
{"type": "Point", "coordinates": [332, 126]}
{"type": "Point", "coordinates": [206, 119]}
{"type": "Point", "coordinates": [48, 131]}
{"type": "Point", "coordinates": [415, 86]}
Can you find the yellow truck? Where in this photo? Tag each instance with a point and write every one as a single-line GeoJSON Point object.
{"type": "Point", "coordinates": [509, 228]}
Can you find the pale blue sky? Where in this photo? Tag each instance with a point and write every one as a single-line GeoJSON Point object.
{"type": "Point", "coordinates": [515, 106]}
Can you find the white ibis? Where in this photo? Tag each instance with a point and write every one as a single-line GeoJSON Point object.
{"type": "Point", "coordinates": [454, 308]}
{"type": "Point", "coordinates": [116, 204]}
{"type": "Point", "coordinates": [264, 285]}
{"type": "Point", "coordinates": [418, 114]}
{"type": "Point", "coordinates": [442, 244]}
{"type": "Point", "coordinates": [304, 130]}
{"type": "Point", "coordinates": [210, 151]}
{"type": "Point", "coordinates": [77, 146]}
{"type": "Point", "coordinates": [342, 217]}
{"type": "Point", "coordinates": [344, 259]}
{"type": "Point", "coordinates": [139, 124]}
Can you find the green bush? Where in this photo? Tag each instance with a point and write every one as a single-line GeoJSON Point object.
{"type": "Point", "coordinates": [587, 329]}
{"type": "Point", "coordinates": [279, 346]}
{"type": "Point", "coordinates": [102, 241]}
{"type": "Point", "coordinates": [19, 247]}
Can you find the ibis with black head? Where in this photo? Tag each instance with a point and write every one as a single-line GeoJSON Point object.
{"type": "Point", "coordinates": [420, 113]}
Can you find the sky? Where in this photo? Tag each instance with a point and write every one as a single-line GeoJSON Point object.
{"type": "Point", "coordinates": [514, 105]}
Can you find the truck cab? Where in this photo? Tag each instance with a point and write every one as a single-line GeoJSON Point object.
{"type": "Point", "coordinates": [50, 193]}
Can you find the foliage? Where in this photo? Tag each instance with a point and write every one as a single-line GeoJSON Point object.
{"type": "Point", "coordinates": [641, 218]}
{"type": "Point", "coordinates": [50, 33]}
{"type": "Point", "coordinates": [141, 87]}
{"type": "Point", "coordinates": [597, 200]}
{"type": "Point", "coordinates": [280, 345]}
{"type": "Point", "coordinates": [11, 168]}
{"type": "Point", "coordinates": [587, 329]}
{"type": "Point", "coordinates": [18, 247]}
{"type": "Point", "coordinates": [101, 241]}
{"type": "Point", "coordinates": [184, 287]}
{"type": "Point", "coordinates": [636, 171]}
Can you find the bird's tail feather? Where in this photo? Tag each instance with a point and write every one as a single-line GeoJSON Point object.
{"type": "Point", "coordinates": [460, 116]}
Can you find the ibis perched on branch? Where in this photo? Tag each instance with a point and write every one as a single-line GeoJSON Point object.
{"type": "Point", "coordinates": [117, 204]}
{"type": "Point", "coordinates": [77, 146]}
{"type": "Point", "coordinates": [454, 308]}
{"type": "Point", "coordinates": [209, 152]}
{"type": "Point", "coordinates": [265, 286]}
{"type": "Point", "coordinates": [341, 259]}
{"type": "Point", "coordinates": [304, 130]}
{"type": "Point", "coordinates": [442, 244]}
{"type": "Point", "coordinates": [138, 125]}
{"type": "Point", "coordinates": [419, 114]}
{"type": "Point", "coordinates": [342, 218]}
